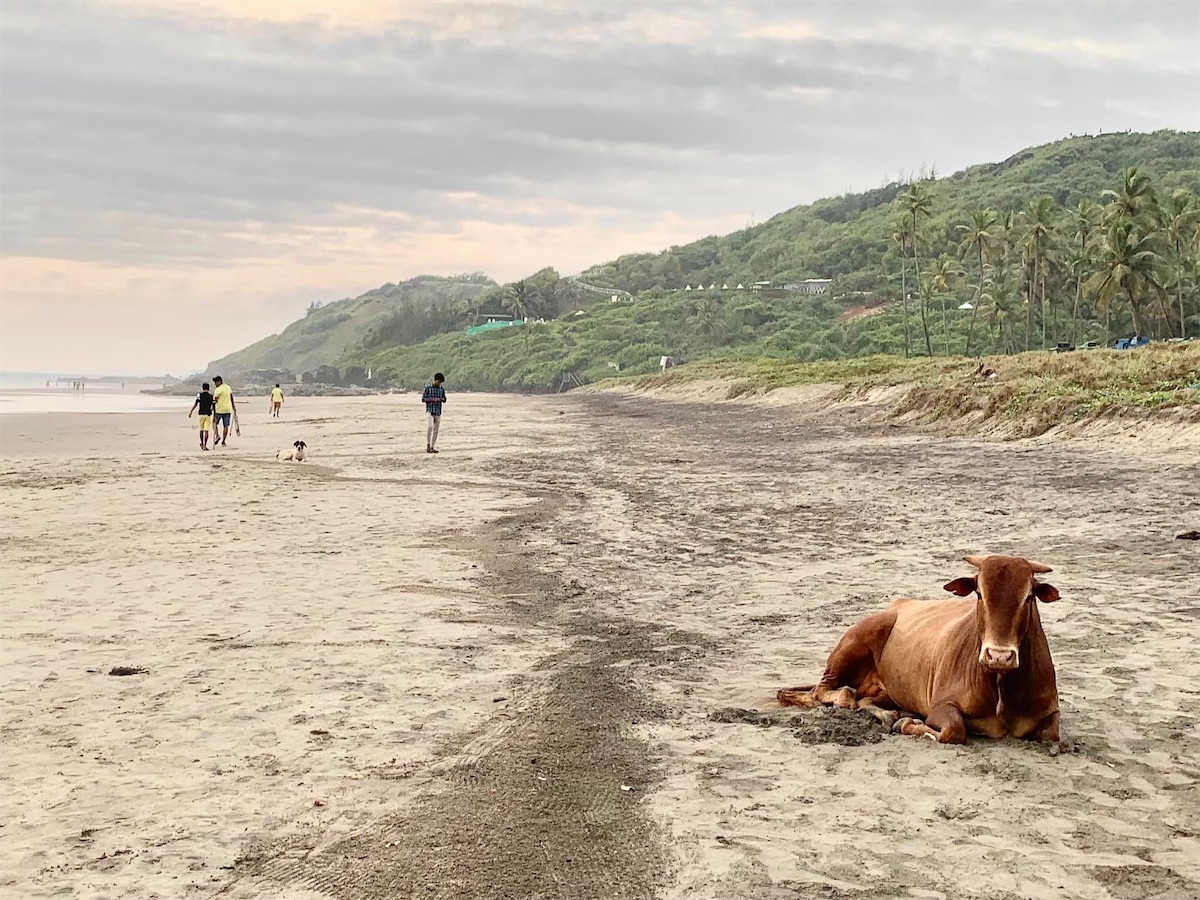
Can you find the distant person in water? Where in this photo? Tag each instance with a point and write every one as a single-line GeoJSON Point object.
{"type": "Point", "coordinates": [276, 400]}
{"type": "Point", "coordinates": [434, 396]}
{"type": "Point", "coordinates": [204, 402]}
{"type": "Point", "coordinates": [225, 407]}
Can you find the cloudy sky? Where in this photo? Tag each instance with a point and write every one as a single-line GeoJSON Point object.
{"type": "Point", "coordinates": [182, 177]}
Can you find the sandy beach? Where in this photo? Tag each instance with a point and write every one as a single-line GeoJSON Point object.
{"type": "Point", "coordinates": [521, 668]}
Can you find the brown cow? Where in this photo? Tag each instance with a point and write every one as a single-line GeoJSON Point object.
{"type": "Point", "coordinates": [981, 666]}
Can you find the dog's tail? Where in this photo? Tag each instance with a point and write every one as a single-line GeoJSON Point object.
{"type": "Point", "coordinates": [279, 454]}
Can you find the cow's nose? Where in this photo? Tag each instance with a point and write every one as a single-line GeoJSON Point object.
{"type": "Point", "coordinates": [999, 658]}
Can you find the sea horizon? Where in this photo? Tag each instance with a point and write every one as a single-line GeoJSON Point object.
{"type": "Point", "coordinates": [12, 377]}
{"type": "Point", "coordinates": [49, 392]}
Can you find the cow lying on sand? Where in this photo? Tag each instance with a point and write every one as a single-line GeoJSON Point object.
{"type": "Point", "coordinates": [980, 666]}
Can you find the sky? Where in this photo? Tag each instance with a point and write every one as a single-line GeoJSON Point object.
{"type": "Point", "coordinates": [179, 178]}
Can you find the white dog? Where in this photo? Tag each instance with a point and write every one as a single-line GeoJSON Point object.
{"type": "Point", "coordinates": [295, 452]}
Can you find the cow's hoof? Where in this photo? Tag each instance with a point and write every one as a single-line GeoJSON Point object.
{"type": "Point", "coordinates": [888, 717]}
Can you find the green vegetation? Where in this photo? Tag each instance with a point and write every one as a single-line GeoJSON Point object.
{"type": "Point", "coordinates": [856, 238]}
{"type": "Point", "coordinates": [1032, 392]}
{"type": "Point", "coordinates": [630, 337]}
{"type": "Point", "coordinates": [328, 331]}
{"type": "Point", "coordinates": [1081, 240]}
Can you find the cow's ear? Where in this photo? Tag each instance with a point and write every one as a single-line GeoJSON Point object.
{"type": "Point", "coordinates": [961, 586]}
{"type": "Point", "coordinates": [1047, 593]}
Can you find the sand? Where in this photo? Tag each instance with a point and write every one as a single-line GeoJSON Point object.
{"type": "Point", "coordinates": [524, 667]}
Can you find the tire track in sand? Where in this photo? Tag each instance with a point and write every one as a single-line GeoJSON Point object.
{"type": "Point", "coordinates": [551, 804]}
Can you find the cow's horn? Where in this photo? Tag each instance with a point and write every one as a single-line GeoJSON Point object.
{"type": "Point", "coordinates": [976, 561]}
{"type": "Point", "coordinates": [1038, 568]}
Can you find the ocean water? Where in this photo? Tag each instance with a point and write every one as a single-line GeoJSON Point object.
{"type": "Point", "coordinates": [25, 393]}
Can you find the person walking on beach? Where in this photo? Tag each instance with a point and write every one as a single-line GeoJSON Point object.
{"type": "Point", "coordinates": [433, 397]}
{"type": "Point", "coordinates": [204, 402]}
{"type": "Point", "coordinates": [225, 410]}
{"type": "Point", "coordinates": [276, 400]}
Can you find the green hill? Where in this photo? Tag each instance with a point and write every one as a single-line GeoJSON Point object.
{"type": "Point", "coordinates": [328, 331]}
{"type": "Point", "coordinates": [849, 238]}
{"type": "Point", "coordinates": [1043, 279]}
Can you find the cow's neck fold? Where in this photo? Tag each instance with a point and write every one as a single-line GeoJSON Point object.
{"type": "Point", "coordinates": [1019, 691]}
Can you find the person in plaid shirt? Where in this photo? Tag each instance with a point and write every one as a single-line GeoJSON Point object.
{"type": "Point", "coordinates": [433, 397]}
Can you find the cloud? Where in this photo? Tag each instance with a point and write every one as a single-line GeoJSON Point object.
{"type": "Point", "coordinates": [289, 138]}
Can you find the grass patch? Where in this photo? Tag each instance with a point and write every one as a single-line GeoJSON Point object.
{"type": "Point", "coordinates": [1032, 393]}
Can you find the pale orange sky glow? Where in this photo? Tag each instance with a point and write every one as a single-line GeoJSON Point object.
{"type": "Point", "coordinates": [180, 178]}
{"type": "Point", "coordinates": [67, 303]}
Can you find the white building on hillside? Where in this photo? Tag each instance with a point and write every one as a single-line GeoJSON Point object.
{"type": "Point", "coordinates": [808, 286]}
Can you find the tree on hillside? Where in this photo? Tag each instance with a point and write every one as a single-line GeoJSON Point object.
{"type": "Point", "coordinates": [1192, 272]}
{"type": "Point", "coordinates": [1131, 268]}
{"type": "Point", "coordinates": [1039, 224]}
{"type": "Point", "coordinates": [1081, 258]}
{"type": "Point", "coordinates": [917, 204]}
{"type": "Point", "coordinates": [707, 319]}
{"type": "Point", "coordinates": [517, 299]}
{"type": "Point", "coordinates": [1002, 308]}
{"type": "Point", "coordinates": [978, 236]}
{"type": "Point", "coordinates": [1135, 200]}
{"type": "Point", "coordinates": [543, 295]}
{"type": "Point", "coordinates": [925, 295]}
{"type": "Point", "coordinates": [1181, 215]}
{"type": "Point", "coordinates": [901, 237]}
{"type": "Point", "coordinates": [941, 272]}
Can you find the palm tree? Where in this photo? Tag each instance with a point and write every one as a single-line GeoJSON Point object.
{"type": "Point", "coordinates": [517, 299]}
{"type": "Point", "coordinates": [1191, 261]}
{"type": "Point", "coordinates": [1132, 266]}
{"type": "Point", "coordinates": [941, 272]}
{"type": "Point", "coordinates": [1180, 217]}
{"type": "Point", "coordinates": [1135, 200]}
{"type": "Point", "coordinates": [1039, 224]}
{"type": "Point", "coordinates": [998, 294]}
{"type": "Point", "coordinates": [1007, 232]}
{"type": "Point", "coordinates": [901, 236]}
{"type": "Point", "coordinates": [915, 203]}
{"type": "Point", "coordinates": [706, 316]}
{"type": "Point", "coordinates": [1085, 219]}
{"type": "Point", "coordinates": [979, 235]}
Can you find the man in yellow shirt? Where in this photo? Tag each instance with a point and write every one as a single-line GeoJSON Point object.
{"type": "Point", "coordinates": [276, 400]}
{"type": "Point", "coordinates": [225, 409]}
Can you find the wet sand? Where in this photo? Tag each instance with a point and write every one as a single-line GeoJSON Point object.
{"type": "Point", "coordinates": [517, 668]}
